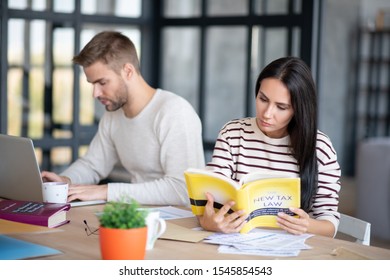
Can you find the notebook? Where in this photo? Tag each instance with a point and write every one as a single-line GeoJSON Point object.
{"type": "Point", "coordinates": [20, 176]}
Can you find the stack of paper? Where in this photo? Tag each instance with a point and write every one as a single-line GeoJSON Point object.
{"type": "Point", "coordinates": [260, 242]}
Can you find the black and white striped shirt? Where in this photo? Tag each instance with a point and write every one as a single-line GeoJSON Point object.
{"type": "Point", "coordinates": [242, 148]}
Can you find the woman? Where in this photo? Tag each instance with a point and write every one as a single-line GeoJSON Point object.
{"type": "Point", "coordinates": [282, 137]}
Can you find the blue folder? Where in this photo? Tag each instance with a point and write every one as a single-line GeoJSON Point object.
{"type": "Point", "coordinates": [15, 249]}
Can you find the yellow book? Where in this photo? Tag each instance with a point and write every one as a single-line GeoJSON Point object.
{"type": "Point", "coordinates": [261, 195]}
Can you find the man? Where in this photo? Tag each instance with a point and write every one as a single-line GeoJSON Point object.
{"type": "Point", "coordinates": [153, 133]}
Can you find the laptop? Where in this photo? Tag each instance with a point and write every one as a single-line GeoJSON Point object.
{"type": "Point", "coordinates": [20, 176]}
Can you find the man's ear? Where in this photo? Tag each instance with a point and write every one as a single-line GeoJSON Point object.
{"type": "Point", "coordinates": [128, 70]}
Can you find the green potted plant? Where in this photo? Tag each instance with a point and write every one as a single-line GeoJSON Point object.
{"type": "Point", "coordinates": [123, 231]}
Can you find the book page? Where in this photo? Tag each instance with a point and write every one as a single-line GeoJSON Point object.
{"type": "Point", "coordinates": [213, 174]}
{"type": "Point", "coordinates": [250, 177]}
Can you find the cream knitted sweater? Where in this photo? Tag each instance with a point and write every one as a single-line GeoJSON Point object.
{"type": "Point", "coordinates": [155, 148]}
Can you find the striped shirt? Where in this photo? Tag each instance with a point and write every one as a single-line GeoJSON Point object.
{"type": "Point", "coordinates": [242, 148]}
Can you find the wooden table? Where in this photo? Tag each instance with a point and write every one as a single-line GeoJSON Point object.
{"type": "Point", "coordinates": [73, 241]}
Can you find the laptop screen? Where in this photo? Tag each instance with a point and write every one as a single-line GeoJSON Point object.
{"type": "Point", "coordinates": [20, 177]}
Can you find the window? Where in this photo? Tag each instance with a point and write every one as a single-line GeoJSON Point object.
{"type": "Point", "coordinates": [208, 51]}
{"type": "Point", "coordinates": [45, 96]}
{"type": "Point", "coordinates": [212, 54]}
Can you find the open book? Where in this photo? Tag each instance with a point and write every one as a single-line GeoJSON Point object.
{"type": "Point", "coordinates": [261, 195]}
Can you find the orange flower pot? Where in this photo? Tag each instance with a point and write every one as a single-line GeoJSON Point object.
{"type": "Point", "coordinates": [123, 244]}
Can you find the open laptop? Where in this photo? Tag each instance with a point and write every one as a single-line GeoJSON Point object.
{"type": "Point", "coordinates": [20, 177]}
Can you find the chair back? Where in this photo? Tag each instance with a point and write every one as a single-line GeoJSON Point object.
{"type": "Point", "coordinates": [356, 228]}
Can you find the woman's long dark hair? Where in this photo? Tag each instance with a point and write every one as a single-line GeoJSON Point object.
{"type": "Point", "coordinates": [296, 76]}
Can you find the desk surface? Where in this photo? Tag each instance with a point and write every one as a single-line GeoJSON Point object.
{"type": "Point", "coordinates": [76, 245]}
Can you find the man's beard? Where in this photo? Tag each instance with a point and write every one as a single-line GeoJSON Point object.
{"type": "Point", "coordinates": [115, 105]}
{"type": "Point", "coordinates": [120, 101]}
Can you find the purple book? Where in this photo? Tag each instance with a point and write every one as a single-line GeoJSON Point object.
{"type": "Point", "coordinates": [36, 213]}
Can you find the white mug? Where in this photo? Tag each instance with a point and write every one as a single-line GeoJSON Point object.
{"type": "Point", "coordinates": [156, 227]}
{"type": "Point", "coordinates": [55, 192]}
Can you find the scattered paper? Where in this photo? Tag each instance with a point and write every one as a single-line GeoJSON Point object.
{"type": "Point", "coordinates": [170, 212]}
{"type": "Point", "coordinates": [166, 212]}
{"type": "Point", "coordinates": [258, 252]}
{"type": "Point", "coordinates": [260, 242]}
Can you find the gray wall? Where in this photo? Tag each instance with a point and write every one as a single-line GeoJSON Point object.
{"type": "Point", "coordinates": [340, 22]}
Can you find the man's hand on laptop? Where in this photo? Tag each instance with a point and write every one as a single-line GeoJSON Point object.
{"type": "Point", "coordinates": [87, 192]}
{"type": "Point", "coordinates": [77, 192]}
{"type": "Point", "coordinates": [53, 177]}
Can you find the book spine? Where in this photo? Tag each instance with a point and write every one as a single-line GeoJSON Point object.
{"type": "Point", "coordinates": [27, 219]}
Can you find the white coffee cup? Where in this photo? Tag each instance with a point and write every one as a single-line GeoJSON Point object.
{"type": "Point", "coordinates": [55, 192]}
{"type": "Point", "coordinates": [156, 227]}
